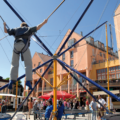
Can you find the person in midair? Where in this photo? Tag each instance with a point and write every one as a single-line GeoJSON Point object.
{"type": "Point", "coordinates": [22, 36]}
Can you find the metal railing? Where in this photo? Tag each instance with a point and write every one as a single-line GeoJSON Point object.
{"type": "Point", "coordinates": [104, 82]}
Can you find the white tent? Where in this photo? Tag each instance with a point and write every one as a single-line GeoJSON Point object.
{"type": "Point", "coordinates": [2, 94]}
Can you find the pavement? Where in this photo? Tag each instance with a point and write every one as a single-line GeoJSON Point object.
{"type": "Point", "coordinates": [70, 117]}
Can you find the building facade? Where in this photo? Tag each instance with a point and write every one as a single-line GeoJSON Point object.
{"type": "Point", "coordinates": [81, 57]}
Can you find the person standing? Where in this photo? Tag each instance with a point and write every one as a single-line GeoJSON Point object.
{"type": "Point", "coordinates": [30, 106]}
{"type": "Point", "coordinates": [100, 108]}
{"type": "Point", "coordinates": [25, 106]}
{"type": "Point", "coordinates": [83, 106]}
{"type": "Point", "coordinates": [94, 108]}
{"type": "Point", "coordinates": [48, 110]}
{"type": "Point", "coordinates": [22, 36]}
{"type": "Point", "coordinates": [87, 105]}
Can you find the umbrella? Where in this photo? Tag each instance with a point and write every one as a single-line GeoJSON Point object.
{"type": "Point", "coordinates": [60, 94]}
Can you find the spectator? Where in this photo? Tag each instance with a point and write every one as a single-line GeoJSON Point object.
{"type": "Point", "coordinates": [83, 106]}
{"type": "Point", "coordinates": [51, 98]}
{"type": "Point", "coordinates": [87, 105]}
{"type": "Point", "coordinates": [94, 108]}
{"type": "Point", "coordinates": [100, 108]}
{"type": "Point", "coordinates": [4, 107]}
{"type": "Point", "coordinates": [30, 106]}
{"type": "Point", "coordinates": [38, 104]}
{"type": "Point", "coordinates": [65, 104]}
{"type": "Point", "coordinates": [48, 110]}
{"type": "Point", "coordinates": [60, 108]}
{"type": "Point", "coordinates": [68, 105]}
{"type": "Point", "coordinates": [75, 106]}
{"type": "Point", "coordinates": [71, 104]}
{"type": "Point", "coordinates": [44, 104]}
{"type": "Point", "coordinates": [35, 109]}
{"type": "Point", "coordinates": [25, 106]}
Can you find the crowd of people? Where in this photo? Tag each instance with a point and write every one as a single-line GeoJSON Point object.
{"type": "Point", "coordinates": [74, 104]}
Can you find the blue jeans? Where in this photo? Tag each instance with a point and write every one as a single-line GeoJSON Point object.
{"type": "Point", "coordinates": [94, 115]}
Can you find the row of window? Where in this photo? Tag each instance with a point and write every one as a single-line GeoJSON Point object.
{"type": "Point", "coordinates": [111, 69]}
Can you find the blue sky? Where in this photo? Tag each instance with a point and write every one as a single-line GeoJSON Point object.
{"type": "Point", "coordinates": [35, 11]}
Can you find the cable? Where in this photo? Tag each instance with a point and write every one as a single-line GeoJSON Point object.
{"type": "Point", "coordinates": [67, 23]}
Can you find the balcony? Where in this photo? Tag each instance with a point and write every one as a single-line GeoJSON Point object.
{"type": "Point", "coordinates": [103, 83]}
{"type": "Point", "coordinates": [45, 89]}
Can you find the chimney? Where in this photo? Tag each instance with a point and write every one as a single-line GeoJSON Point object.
{"type": "Point", "coordinates": [81, 33]}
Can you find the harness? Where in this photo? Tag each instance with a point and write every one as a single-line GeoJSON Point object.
{"type": "Point", "coordinates": [25, 37]}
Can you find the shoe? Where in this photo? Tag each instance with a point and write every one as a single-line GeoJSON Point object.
{"type": "Point", "coordinates": [29, 85]}
{"type": "Point", "coordinates": [10, 84]}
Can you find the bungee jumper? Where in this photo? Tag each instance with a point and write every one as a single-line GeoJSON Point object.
{"type": "Point", "coordinates": [22, 36]}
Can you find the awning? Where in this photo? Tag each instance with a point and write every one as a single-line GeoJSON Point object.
{"type": "Point", "coordinates": [10, 95]}
{"type": "Point", "coordinates": [103, 93]}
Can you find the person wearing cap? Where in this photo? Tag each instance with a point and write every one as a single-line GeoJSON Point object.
{"type": "Point", "coordinates": [22, 36]}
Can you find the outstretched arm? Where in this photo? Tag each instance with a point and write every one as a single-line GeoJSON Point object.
{"type": "Point", "coordinates": [5, 29]}
{"type": "Point", "coordinates": [40, 25]}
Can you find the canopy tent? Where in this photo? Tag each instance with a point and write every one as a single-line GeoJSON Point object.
{"type": "Point", "coordinates": [60, 94]}
{"type": "Point", "coordinates": [103, 93]}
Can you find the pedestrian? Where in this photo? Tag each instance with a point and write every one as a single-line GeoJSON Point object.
{"type": "Point", "coordinates": [48, 110]}
{"type": "Point", "coordinates": [83, 106]}
{"type": "Point", "coordinates": [100, 108]}
{"type": "Point", "coordinates": [94, 108]}
{"type": "Point", "coordinates": [87, 104]}
{"type": "Point", "coordinates": [30, 106]}
{"type": "Point", "coordinates": [22, 36]}
{"type": "Point", "coordinates": [25, 106]}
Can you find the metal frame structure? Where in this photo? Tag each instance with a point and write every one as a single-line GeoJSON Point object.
{"type": "Point", "coordinates": [64, 65]}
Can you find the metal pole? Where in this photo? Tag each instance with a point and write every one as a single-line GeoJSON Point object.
{"type": "Point", "coordinates": [56, 8]}
{"type": "Point", "coordinates": [31, 91]}
{"type": "Point", "coordinates": [81, 84]}
{"type": "Point", "coordinates": [75, 26]}
{"type": "Point", "coordinates": [16, 96]}
{"type": "Point", "coordinates": [24, 21]}
{"type": "Point", "coordinates": [3, 87]}
{"type": "Point", "coordinates": [82, 38]}
{"type": "Point", "coordinates": [91, 81]}
{"type": "Point", "coordinates": [55, 88]}
{"type": "Point", "coordinates": [107, 66]}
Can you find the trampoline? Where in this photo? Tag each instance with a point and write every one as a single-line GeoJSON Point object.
{"type": "Point", "coordinates": [67, 112]}
{"type": "Point", "coordinates": [4, 116]}
{"type": "Point", "coordinates": [111, 117]}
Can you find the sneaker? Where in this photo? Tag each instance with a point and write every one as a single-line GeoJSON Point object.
{"type": "Point", "coordinates": [28, 83]}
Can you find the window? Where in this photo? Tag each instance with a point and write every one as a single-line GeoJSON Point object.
{"type": "Point", "coordinates": [93, 52]}
{"type": "Point", "coordinates": [51, 81]}
{"type": "Point", "coordinates": [45, 86]}
{"type": "Point", "coordinates": [71, 63]}
{"type": "Point", "coordinates": [104, 55]}
{"type": "Point", "coordinates": [63, 56]}
{"type": "Point", "coordinates": [71, 42]}
{"type": "Point", "coordinates": [50, 72]}
{"type": "Point", "coordinates": [100, 54]}
{"type": "Point", "coordinates": [116, 67]}
{"type": "Point", "coordinates": [113, 68]}
{"type": "Point", "coordinates": [40, 70]}
{"type": "Point", "coordinates": [71, 54]}
{"type": "Point", "coordinates": [39, 63]}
